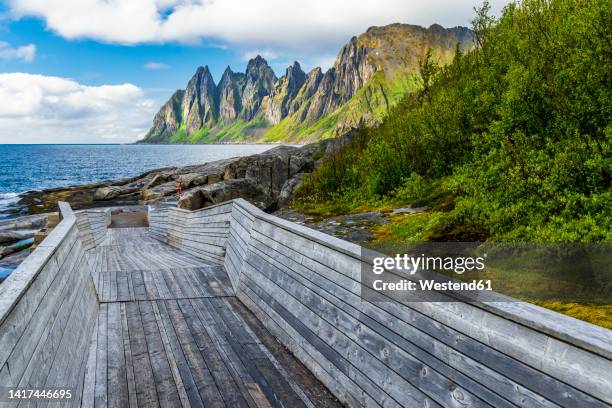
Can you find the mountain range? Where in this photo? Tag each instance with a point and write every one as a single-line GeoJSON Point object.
{"type": "Point", "coordinates": [370, 74]}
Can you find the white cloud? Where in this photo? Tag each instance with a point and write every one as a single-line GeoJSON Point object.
{"type": "Point", "coordinates": [156, 65]}
{"type": "Point", "coordinates": [288, 24]}
{"type": "Point", "coordinates": [267, 54]}
{"type": "Point", "coordinates": [24, 52]}
{"type": "Point", "coordinates": [46, 109]}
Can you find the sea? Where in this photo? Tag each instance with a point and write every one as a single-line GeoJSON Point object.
{"type": "Point", "coordinates": [38, 167]}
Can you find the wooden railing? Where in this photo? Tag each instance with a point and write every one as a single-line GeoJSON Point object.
{"type": "Point", "coordinates": [305, 287]}
{"type": "Point", "coordinates": [48, 308]}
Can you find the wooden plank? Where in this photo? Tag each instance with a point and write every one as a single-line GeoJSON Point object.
{"type": "Point", "coordinates": [116, 370]}
{"type": "Point", "coordinates": [200, 385]}
{"type": "Point", "coordinates": [239, 354]}
{"type": "Point", "coordinates": [123, 287]}
{"type": "Point", "coordinates": [517, 391]}
{"type": "Point", "coordinates": [89, 382]}
{"type": "Point", "coordinates": [336, 296]}
{"type": "Point", "coordinates": [399, 332]}
{"type": "Point", "coordinates": [129, 364]}
{"type": "Point", "coordinates": [361, 388]}
{"type": "Point", "coordinates": [226, 372]}
{"type": "Point", "coordinates": [31, 357]}
{"type": "Point", "coordinates": [146, 392]}
{"type": "Point", "coordinates": [138, 285]}
{"type": "Point", "coordinates": [341, 385]}
{"type": "Point", "coordinates": [174, 287]}
{"type": "Point", "coordinates": [185, 369]}
{"type": "Point", "coordinates": [164, 380]}
{"type": "Point", "coordinates": [100, 393]}
{"type": "Point", "coordinates": [246, 318]}
{"type": "Point", "coordinates": [401, 370]}
{"type": "Point", "coordinates": [176, 359]}
{"type": "Point", "coordinates": [241, 339]}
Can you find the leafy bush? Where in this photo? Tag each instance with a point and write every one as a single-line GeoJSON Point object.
{"type": "Point", "coordinates": [516, 132]}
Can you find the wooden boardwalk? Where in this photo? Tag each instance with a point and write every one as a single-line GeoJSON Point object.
{"type": "Point", "coordinates": [169, 333]}
{"type": "Point", "coordinates": [230, 306]}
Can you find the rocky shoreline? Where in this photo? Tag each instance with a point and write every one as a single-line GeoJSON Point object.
{"type": "Point", "coordinates": [268, 180]}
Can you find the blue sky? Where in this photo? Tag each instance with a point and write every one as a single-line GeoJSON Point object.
{"type": "Point", "coordinates": [89, 71]}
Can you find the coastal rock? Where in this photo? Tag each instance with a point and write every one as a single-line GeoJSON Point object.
{"type": "Point", "coordinates": [111, 192]}
{"type": "Point", "coordinates": [16, 247]}
{"type": "Point", "coordinates": [222, 191]}
{"type": "Point", "coordinates": [190, 180]}
{"type": "Point", "coordinates": [27, 222]}
{"type": "Point", "coordinates": [159, 192]}
{"type": "Point", "coordinates": [260, 177]}
{"type": "Point", "coordinates": [288, 189]}
{"type": "Point", "coordinates": [159, 179]}
{"type": "Point", "coordinates": [10, 237]}
{"type": "Point", "coordinates": [271, 168]}
{"type": "Point", "coordinates": [107, 193]}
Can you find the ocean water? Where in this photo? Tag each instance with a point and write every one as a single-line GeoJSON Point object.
{"type": "Point", "coordinates": [37, 167]}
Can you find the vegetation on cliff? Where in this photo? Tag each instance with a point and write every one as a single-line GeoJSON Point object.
{"type": "Point", "coordinates": [511, 141]}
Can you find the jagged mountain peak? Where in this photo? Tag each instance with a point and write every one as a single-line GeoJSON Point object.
{"type": "Point", "coordinates": [227, 72]}
{"type": "Point", "coordinates": [257, 64]}
{"type": "Point", "coordinates": [294, 72]}
{"type": "Point", "coordinates": [375, 60]}
{"type": "Point", "coordinates": [260, 80]}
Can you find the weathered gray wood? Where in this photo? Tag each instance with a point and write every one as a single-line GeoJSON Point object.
{"type": "Point", "coordinates": [101, 391]}
{"type": "Point", "coordinates": [162, 372]}
{"type": "Point", "coordinates": [212, 364]}
{"type": "Point", "coordinates": [306, 246]}
{"type": "Point", "coordinates": [129, 364]}
{"type": "Point", "coordinates": [172, 357]}
{"type": "Point", "coordinates": [329, 288]}
{"type": "Point", "coordinates": [47, 312]}
{"type": "Point", "coordinates": [208, 389]}
{"type": "Point", "coordinates": [171, 343]}
{"type": "Point", "coordinates": [397, 360]}
{"type": "Point", "coordinates": [336, 380]}
{"type": "Point", "coordinates": [182, 369]}
{"type": "Point", "coordinates": [146, 392]}
{"type": "Point", "coordinates": [116, 369]}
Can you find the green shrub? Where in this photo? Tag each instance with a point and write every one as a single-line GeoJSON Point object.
{"type": "Point", "coordinates": [512, 138]}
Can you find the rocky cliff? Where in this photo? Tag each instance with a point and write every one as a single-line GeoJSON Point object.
{"type": "Point", "coordinates": [371, 72]}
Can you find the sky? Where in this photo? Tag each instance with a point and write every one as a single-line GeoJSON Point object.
{"type": "Point", "coordinates": [97, 71]}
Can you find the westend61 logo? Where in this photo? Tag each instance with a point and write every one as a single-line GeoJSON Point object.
{"type": "Point", "coordinates": [486, 272]}
{"type": "Point", "coordinates": [427, 273]}
{"type": "Point", "coordinates": [411, 264]}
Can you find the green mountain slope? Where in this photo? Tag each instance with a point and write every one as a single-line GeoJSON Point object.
{"type": "Point", "coordinates": [371, 73]}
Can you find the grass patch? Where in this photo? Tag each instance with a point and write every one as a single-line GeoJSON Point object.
{"type": "Point", "coordinates": [241, 130]}
{"type": "Point", "coordinates": [408, 228]}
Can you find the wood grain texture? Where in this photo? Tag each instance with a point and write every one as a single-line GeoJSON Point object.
{"type": "Point", "coordinates": [48, 311]}
{"type": "Point", "coordinates": [132, 317]}
{"type": "Point", "coordinates": [306, 288]}
{"type": "Point", "coordinates": [188, 352]}
{"type": "Point", "coordinates": [161, 342]}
